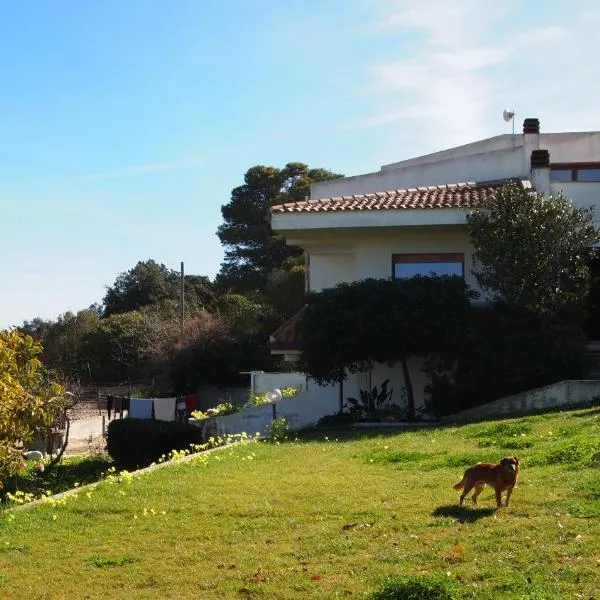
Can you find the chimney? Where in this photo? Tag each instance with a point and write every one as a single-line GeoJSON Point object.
{"type": "Point", "coordinates": [540, 159]}
{"type": "Point", "coordinates": [531, 143]}
{"type": "Point", "coordinates": [531, 126]}
{"type": "Point", "coordinates": [540, 171]}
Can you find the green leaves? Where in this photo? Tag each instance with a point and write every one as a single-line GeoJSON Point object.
{"type": "Point", "coordinates": [150, 283]}
{"type": "Point", "coordinates": [252, 250]}
{"type": "Point", "coordinates": [531, 250]}
{"type": "Point", "coordinates": [348, 328]}
{"type": "Point", "coordinates": [27, 399]}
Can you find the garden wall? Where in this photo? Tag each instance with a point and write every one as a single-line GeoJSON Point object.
{"type": "Point", "coordinates": [263, 382]}
{"type": "Point", "coordinates": [562, 393]}
{"type": "Point", "coordinates": [259, 382]}
{"type": "Point", "coordinates": [299, 411]}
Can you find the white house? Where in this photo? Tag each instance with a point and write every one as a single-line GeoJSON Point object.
{"type": "Point", "coordinates": [408, 217]}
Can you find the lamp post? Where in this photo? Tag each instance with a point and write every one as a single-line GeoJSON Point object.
{"type": "Point", "coordinates": [273, 397]}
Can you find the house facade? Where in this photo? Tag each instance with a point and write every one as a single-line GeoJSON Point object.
{"type": "Point", "coordinates": [409, 217]}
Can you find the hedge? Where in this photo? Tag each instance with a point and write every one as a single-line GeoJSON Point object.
{"type": "Point", "coordinates": [136, 443]}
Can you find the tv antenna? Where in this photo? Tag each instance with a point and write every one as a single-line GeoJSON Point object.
{"type": "Point", "coordinates": [509, 115]}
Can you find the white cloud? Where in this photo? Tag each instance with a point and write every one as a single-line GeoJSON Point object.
{"type": "Point", "coordinates": [453, 67]}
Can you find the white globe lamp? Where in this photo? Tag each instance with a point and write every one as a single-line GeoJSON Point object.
{"type": "Point", "coordinates": [273, 398]}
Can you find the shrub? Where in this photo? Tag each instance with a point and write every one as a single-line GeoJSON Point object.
{"type": "Point", "coordinates": [220, 410]}
{"type": "Point", "coordinates": [507, 351]}
{"type": "Point", "coordinates": [290, 391]}
{"type": "Point", "coordinates": [334, 419]}
{"type": "Point", "coordinates": [278, 430]}
{"type": "Point", "coordinates": [255, 399]}
{"type": "Point", "coordinates": [136, 443]}
{"type": "Point", "coordinates": [370, 403]}
{"type": "Point", "coordinates": [416, 587]}
{"type": "Point", "coordinates": [258, 399]}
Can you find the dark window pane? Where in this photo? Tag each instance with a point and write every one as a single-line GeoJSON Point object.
{"type": "Point", "coordinates": [407, 270]}
{"type": "Point", "coordinates": [588, 174]}
{"type": "Point", "coordinates": [560, 175]}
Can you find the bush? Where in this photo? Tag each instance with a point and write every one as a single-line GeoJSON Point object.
{"type": "Point", "coordinates": [136, 443]}
{"type": "Point", "coordinates": [507, 351]}
{"type": "Point", "coordinates": [335, 419]}
{"type": "Point", "coordinates": [278, 430]}
{"type": "Point", "coordinates": [255, 399]}
{"type": "Point", "coordinates": [416, 588]}
{"type": "Point", "coordinates": [220, 410]}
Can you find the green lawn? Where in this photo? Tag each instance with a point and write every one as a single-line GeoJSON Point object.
{"type": "Point", "coordinates": [327, 518]}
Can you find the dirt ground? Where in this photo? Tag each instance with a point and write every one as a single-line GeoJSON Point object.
{"type": "Point", "coordinates": [86, 433]}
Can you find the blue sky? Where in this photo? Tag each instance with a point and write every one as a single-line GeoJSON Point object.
{"type": "Point", "coordinates": [124, 124]}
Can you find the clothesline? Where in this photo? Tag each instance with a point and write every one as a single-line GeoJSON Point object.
{"type": "Point", "coordinates": [160, 409]}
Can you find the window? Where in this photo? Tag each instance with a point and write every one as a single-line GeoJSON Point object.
{"type": "Point", "coordinates": [561, 174]}
{"type": "Point", "coordinates": [405, 266]}
{"type": "Point", "coordinates": [588, 174]}
{"type": "Point", "coordinates": [575, 172]}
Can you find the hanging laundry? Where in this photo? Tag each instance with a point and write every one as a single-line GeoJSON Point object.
{"type": "Point", "coordinates": [140, 408]}
{"type": "Point", "coordinates": [191, 401]}
{"type": "Point", "coordinates": [181, 409]}
{"type": "Point", "coordinates": [117, 406]}
{"type": "Point", "coordinates": [164, 409]}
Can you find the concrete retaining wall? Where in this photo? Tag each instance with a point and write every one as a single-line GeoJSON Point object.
{"type": "Point", "coordinates": [562, 393]}
{"type": "Point", "coordinates": [263, 382]}
{"type": "Point", "coordinates": [302, 410]}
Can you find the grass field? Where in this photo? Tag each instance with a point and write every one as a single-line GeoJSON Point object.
{"type": "Point", "coordinates": [331, 515]}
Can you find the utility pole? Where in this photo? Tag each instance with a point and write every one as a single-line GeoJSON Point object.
{"type": "Point", "coordinates": [182, 298]}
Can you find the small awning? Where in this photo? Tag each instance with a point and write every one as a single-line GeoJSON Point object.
{"type": "Point", "coordinates": [286, 339]}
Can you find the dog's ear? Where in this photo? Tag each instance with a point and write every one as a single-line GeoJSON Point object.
{"type": "Point", "coordinates": [516, 460]}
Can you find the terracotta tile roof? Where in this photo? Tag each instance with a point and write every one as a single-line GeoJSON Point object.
{"type": "Point", "coordinates": [286, 337]}
{"type": "Point", "coordinates": [454, 195]}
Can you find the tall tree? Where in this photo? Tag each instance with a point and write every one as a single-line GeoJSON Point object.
{"type": "Point", "coordinates": [147, 283]}
{"type": "Point", "coordinates": [252, 250]}
{"type": "Point", "coordinates": [115, 349]}
{"type": "Point", "coordinates": [64, 340]}
{"type": "Point", "coordinates": [532, 253]}
{"type": "Point", "coordinates": [150, 283]}
{"type": "Point", "coordinates": [532, 250]}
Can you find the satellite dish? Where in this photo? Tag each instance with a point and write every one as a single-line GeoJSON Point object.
{"type": "Point", "coordinates": [273, 396]}
{"type": "Point", "coordinates": [507, 115]}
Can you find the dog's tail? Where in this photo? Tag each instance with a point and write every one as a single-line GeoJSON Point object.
{"type": "Point", "coordinates": [459, 485]}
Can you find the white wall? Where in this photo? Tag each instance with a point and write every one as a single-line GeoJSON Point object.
{"type": "Point", "coordinates": [292, 224]}
{"type": "Point", "coordinates": [263, 382]}
{"type": "Point", "coordinates": [570, 392]}
{"type": "Point", "coordinates": [300, 411]}
{"type": "Point", "coordinates": [499, 164]}
{"type": "Point", "coordinates": [306, 408]}
{"type": "Point", "coordinates": [495, 158]}
{"type": "Point", "coordinates": [572, 146]}
{"type": "Point", "coordinates": [582, 194]}
{"type": "Point", "coordinates": [327, 269]}
{"type": "Point", "coordinates": [498, 142]}
{"type": "Point", "coordinates": [381, 372]}
{"type": "Point", "coordinates": [374, 252]}
{"type": "Point", "coordinates": [366, 253]}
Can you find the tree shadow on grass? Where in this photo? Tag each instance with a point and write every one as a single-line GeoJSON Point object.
{"type": "Point", "coordinates": [68, 473]}
{"type": "Point", "coordinates": [462, 514]}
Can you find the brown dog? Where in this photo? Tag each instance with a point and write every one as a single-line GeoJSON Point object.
{"type": "Point", "coordinates": [501, 476]}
